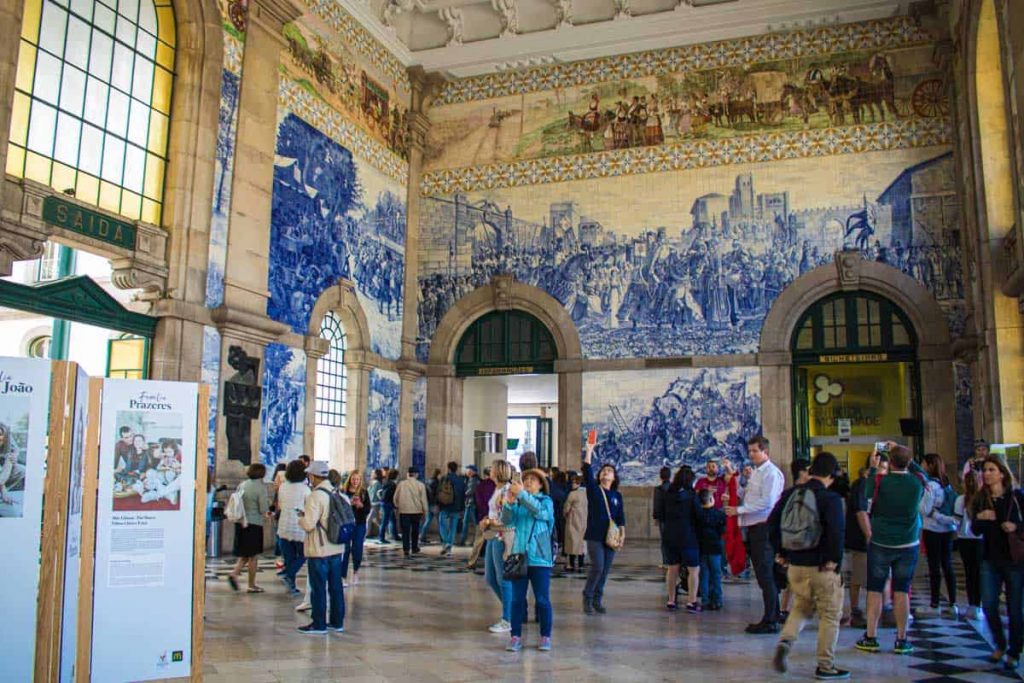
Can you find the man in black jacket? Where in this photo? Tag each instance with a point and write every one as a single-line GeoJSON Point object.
{"type": "Point", "coordinates": [812, 551]}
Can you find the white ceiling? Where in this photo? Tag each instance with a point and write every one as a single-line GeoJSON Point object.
{"type": "Point", "coordinates": [531, 388]}
{"type": "Point", "coordinates": [470, 37]}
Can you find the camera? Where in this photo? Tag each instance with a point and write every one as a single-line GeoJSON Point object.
{"type": "Point", "coordinates": [881, 446]}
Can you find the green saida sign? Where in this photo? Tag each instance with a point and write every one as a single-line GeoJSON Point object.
{"type": "Point", "coordinates": [89, 223]}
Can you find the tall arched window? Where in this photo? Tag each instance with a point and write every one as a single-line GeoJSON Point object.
{"type": "Point", "coordinates": [331, 376]}
{"type": "Point", "coordinates": [92, 101]}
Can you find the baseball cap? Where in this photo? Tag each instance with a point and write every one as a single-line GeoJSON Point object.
{"type": "Point", "coordinates": [413, 470]}
{"type": "Point", "coordinates": [471, 467]}
{"type": "Point", "coordinates": [318, 468]}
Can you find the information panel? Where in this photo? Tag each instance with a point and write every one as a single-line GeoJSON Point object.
{"type": "Point", "coordinates": [142, 605]}
{"type": "Point", "coordinates": [73, 545]}
{"type": "Point", "coordinates": [24, 406]}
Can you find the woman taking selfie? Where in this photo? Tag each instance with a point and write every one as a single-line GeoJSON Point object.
{"type": "Point", "coordinates": [606, 528]}
{"type": "Point", "coordinates": [528, 509]}
{"type": "Point", "coordinates": [996, 512]}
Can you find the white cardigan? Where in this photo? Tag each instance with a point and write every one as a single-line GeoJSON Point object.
{"type": "Point", "coordinates": [290, 496]}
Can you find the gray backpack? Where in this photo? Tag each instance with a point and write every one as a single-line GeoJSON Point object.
{"type": "Point", "coordinates": [801, 524]}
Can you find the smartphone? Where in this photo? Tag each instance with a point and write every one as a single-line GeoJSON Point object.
{"type": "Point", "coordinates": [592, 437]}
{"type": "Point", "coordinates": [517, 477]}
{"type": "Point", "coordinates": [881, 446]}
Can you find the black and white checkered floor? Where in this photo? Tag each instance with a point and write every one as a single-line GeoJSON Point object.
{"type": "Point", "coordinates": [947, 650]}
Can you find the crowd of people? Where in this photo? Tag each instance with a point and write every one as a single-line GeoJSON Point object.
{"type": "Point", "coordinates": [804, 544]}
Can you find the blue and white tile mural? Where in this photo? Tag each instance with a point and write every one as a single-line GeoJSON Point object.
{"type": "Point", "coordinates": [284, 400]}
{"type": "Point", "coordinates": [210, 374]}
{"type": "Point", "coordinates": [689, 262]}
{"type": "Point", "coordinates": [649, 419]}
{"type": "Point", "coordinates": [334, 217]}
{"type": "Point", "coordinates": [419, 424]}
{"type": "Point", "coordinates": [223, 173]}
{"type": "Point", "coordinates": [382, 419]}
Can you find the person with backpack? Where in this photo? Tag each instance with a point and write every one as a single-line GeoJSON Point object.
{"type": "Point", "coordinates": [451, 499]}
{"type": "Point", "coordinates": [808, 527]}
{"type": "Point", "coordinates": [387, 506]}
{"type": "Point", "coordinates": [471, 481]}
{"type": "Point", "coordinates": [411, 502]}
{"type": "Point", "coordinates": [937, 507]}
{"type": "Point", "coordinates": [324, 511]}
{"type": "Point", "coordinates": [254, 501]}
{"type": "Point", "coordinates": [895, 538]}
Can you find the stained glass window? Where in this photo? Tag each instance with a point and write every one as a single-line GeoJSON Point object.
{"type": "Point", "coordinates": [92, 101]}
{"type": "Point", "coordinates": [332, 376]}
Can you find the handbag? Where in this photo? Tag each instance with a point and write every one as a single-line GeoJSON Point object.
{"type": "Point", "coordinates": [615, 537]}
{"type": "Point", "coordinates": [517, 565]}
{"type": "Point", "coordinates": [1013, 538]}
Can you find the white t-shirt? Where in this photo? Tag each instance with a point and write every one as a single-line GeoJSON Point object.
{"type": "Point", "coordinates": [963, 522]}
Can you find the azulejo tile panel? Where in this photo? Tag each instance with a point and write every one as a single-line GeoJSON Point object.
{"type": "Point", "coordinates": [233, 49]}
{"type": "Point", "coordinates": [284, 404]}
{"type": "Point", "coordinates": [358, 38]}
{"type": "Point", "coordinates": [872, 137]}
{"type": "Point", "coordinates": [647, 420]}
{"type": "Point", "coordinates": [821, 41]}
{"type": "Point", "coordinates": [310, 107]}
{"type": "Point", "coordinates": [382, 420]}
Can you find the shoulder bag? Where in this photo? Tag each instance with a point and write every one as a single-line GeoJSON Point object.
{"type": "Point", "coordinates": [615, 537]}
{"type": "Point", "coordinates": [1013, 538]}
{"type": "Point", "coordinates": [517, 565]}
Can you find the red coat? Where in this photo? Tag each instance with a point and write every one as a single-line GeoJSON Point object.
{"type": "Point", "coordinates": [735, 553]}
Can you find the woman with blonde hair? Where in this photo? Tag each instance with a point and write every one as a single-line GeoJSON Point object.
{"type": "Point", "coordinates": [494, 558]}
{"type": "Point", "coordinates": [996, 512]}
{"type": "Point", "coordinates": [359, 498]}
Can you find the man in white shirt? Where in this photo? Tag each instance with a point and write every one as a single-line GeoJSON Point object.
{"type": "Point", "coordinates": [763, 491]}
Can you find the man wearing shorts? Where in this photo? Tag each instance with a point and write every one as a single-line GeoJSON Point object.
{"type": "Point", "coordinates": [895, 536]}
{"type": "Point", "coordinates": [858, 533]}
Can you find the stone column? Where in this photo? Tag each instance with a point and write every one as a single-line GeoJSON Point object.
{"type": "Point", "coordinates": [777, 406]}
{"type": "Point", "coordinates": [444, 417]}
{"type": "Point", "coordinates": [10, 16]}
{"type": "Point", "coordinates": [242, 318]}
{"type": "Point", "coordinates": [356, 430]}
{"type": "Point", "coordinates": [570, 413]}
{"type": "Point", "coordinates": [409, 377]}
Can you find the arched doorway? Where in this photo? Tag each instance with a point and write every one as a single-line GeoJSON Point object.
{"type": "Point", "coordinates": [855, 378]}
{"type": "Point", "coordinates": [501, 330]}
{"type": "Point", "coordinates": [921, 316]}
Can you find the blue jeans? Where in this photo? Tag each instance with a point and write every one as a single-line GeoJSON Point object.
{"type": "Point", "coordinates": [447, 524]}
{"type": "Point", "coordinates": [468, 517]}
{"type": "Point", "coordinates": [325, 578]}
{"type": "Point", "coordinates": [540, 579]}
{"type": "Point", "coordinates": [601, 558]}
{"type": "Point", "coordinates": [995, 579]}
{"type": "Point", "coordinates": [292, 551]}
{"type": "Point", "coordinates": [431, 515]}
{"type": "Point", "coordinates": [355, 549]}
{"type": "Point", "coordinates": [494, 567]}
{"type": "Point", "coordinates": [711, 579]}
{"type": "Point", "coordinates": [388, 519]}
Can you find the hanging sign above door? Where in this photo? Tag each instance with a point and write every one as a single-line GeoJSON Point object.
{"type": "Point", "coordinates": [93, 224]}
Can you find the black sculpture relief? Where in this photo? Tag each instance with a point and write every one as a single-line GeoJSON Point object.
{"type": "Point", "coordinates": [242, 399]}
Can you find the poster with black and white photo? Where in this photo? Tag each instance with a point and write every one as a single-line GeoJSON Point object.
{"type": "Point", "coordinates": [73, 544]}
{"type": "Point", "coordinates": [24, 406]}
{"type": "Point", "coordinates": [145, 530]}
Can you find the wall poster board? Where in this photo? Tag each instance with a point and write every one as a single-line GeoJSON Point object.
{"type": "Point", "coordinates": [73, 517]}
{"type": "Point", "coordinates": [144, 579]}
{"type": "Point", "coordinates": [24, 404]}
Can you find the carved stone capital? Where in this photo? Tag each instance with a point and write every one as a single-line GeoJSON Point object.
{"type": "Point", "coordinates": [17, 244]}
{"type": "Point", "coordinates": [247, 326]}
{"type": "Point", "coordinates": [848, 265]}
{"type": "Point", "coordinates": [316, 347]}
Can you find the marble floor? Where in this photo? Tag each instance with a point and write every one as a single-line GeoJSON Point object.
{"type": "Point", "coordinates": [426, 619]}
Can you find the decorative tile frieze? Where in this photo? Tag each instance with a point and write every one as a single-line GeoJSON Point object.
{"type": "Point", "coordinates": [233, 49]}
{"type": "Point", "coordinates": [873, 137]}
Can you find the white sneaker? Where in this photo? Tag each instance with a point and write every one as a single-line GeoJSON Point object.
{"type": "Point", "coordinates": [355, 578]}
{"type": "Point", "coordinates": [303, 607]}
{"type": "Point", "coordinates": [975, 613]}
{"type": "Point", "coordinates": [501, 627]}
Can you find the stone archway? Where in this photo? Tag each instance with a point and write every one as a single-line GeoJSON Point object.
{"type": "Point", "coordinates": [341, 299]}
{"type": "Point", "coordinates": [444, 389]}
{"type": "Point", "coordinates": [850, 272]}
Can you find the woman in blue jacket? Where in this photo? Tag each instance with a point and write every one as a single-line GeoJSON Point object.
{"type": "Point", "coordinates": [604, 503]}
{"type": "Point", "coordinates": [528, 509]}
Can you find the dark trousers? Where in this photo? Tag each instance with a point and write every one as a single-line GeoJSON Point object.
{"type": "Point", "coordinates": [388, 520]}
{"type": "Point", "coordinates": [293, 552]}
{"type": "Point", "coordinates": [994, 579]}
{"type": "Point", "coordinates": [324, 582]}
{"type": "Point", "coordinates": [601, 558]}
{"type": "Point", "coordinates": [540, 579]}
{"type": "Point", "coordinates": [354, 550]}
{"type": "Point", "coordinates": [410, 532]}
{"type": "Point", "coordinates": [939, 549]}
{"type": "Point", "coordinates": [762, 557]}
{"type": "Point", "coordinates": [971, 551]}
